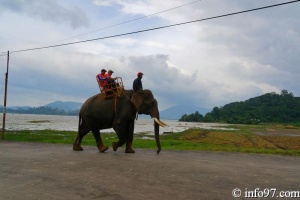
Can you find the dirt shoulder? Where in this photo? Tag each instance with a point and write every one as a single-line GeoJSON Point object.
{"type": "Point", "coordinates": [49, 171]}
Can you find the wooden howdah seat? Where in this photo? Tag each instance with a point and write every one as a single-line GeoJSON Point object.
{"type": "Point", "coordinates": [110, 90]}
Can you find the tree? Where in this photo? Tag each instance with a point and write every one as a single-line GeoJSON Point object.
{"type": "Point", "coordinates": [270, 107]}
{"type": "Point", "coordinates": [194, 117]}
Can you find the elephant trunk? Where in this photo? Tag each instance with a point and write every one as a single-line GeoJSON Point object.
{"type": "Point", "coordinates": [156, 132]}
{"type": "Point", "coordinates": [155, 115]}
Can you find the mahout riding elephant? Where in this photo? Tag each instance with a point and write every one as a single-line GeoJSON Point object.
{"type": "Point", "coordinates": [117, 113]}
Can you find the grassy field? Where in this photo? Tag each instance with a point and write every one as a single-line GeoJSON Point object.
{"type": "Point", "coordinates": [266, 139]}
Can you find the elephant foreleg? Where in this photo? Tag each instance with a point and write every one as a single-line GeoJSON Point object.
{"type": "Point", "coordinates": [124, 131]}
{"type": "Point", "coordinates": [101, 147]}
{"type": "Point", "coordinates": [120, 129]}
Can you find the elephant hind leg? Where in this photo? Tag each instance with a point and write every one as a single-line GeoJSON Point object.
{"type": "Point", "coordinates": [77, 143]}
{"type": "Point", "coordinates": [82, 131]}
{"type": "Point", "coordinates": [116, 145]}
{"type": "Point", "coordinates": [101, 147]}
{"type": "Point", "coordinates": [76, 146]}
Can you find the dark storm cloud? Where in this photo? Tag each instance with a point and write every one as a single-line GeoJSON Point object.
{"type": "Point", "coordinates": [47, 10]}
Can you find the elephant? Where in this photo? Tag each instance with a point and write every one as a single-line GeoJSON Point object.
{"type": "Point", "coordinates": [118, 113]}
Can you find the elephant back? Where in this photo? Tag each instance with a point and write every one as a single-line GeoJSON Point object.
{"type": "Point", "coordinates": [95, 104]}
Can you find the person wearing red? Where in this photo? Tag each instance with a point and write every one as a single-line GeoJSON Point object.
{"type": "Point", "coordinates": [102, 78]}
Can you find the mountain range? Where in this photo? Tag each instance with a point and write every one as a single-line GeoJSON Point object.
{"type": "Point", "coordinates": [173, 113]}
{"type": "Point", "coordinates": [66, 106]}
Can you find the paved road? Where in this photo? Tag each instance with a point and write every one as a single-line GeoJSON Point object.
{"type": "Point", "coordinates": [47, 171]}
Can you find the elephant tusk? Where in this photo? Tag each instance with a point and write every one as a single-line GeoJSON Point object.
{"type": "Point", "coordinates": [158, 122]}
{"type": "Point", "coordinates": [164, 123]}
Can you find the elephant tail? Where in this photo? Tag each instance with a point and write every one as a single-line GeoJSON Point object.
{"type": "Point", "coordinates": [80, 121]}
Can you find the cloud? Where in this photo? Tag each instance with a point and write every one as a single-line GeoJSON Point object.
{"type": "Point", "coordinates": [270, 36]}
{"type": "Point", "coordinates": [208, 63]}
{"type": "Point", "coordinates": [47, 10]}
{"type": "Point", "coordinates": [170, 84]}
{"type": "Point", "coordinates": [106, 2]}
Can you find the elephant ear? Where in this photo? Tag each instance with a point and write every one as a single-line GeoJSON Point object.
{"type": "Point", "coordinates": [137, 100]}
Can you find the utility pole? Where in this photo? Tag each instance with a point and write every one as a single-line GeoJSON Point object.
{"type": "Point", "coordinates": [5, 97]}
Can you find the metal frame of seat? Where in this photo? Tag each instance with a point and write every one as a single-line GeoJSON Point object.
{"type": "Point", "coordinates": [111, 89]}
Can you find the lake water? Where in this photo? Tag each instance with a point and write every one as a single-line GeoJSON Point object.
{"type": "Point", "coordinates": [70, 123]}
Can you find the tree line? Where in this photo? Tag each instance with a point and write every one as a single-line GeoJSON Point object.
{"type": "Point", "coordinates": [267, 108]}
{"type": "Point", "coordinates": [43, 111]}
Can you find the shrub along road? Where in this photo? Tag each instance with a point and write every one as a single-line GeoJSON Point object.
{"type": "Point", "coordinates": [52, 171]}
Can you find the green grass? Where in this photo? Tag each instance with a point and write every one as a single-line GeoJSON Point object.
{"type": "Point", "coordinates": [265, 139]}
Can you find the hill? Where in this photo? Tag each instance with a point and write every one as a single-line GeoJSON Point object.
{"type": "Point", "coordinates": [270, 107]}
{"type": "Point", "coordinates": [66, 106]}
{"type": "Point", "coordinates": [175, 112]}
{"type": "Point", "coordinates": [54, 108]}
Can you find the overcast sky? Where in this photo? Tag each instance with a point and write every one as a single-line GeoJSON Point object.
{"type": "Point", "coordinates": [207, 64]}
